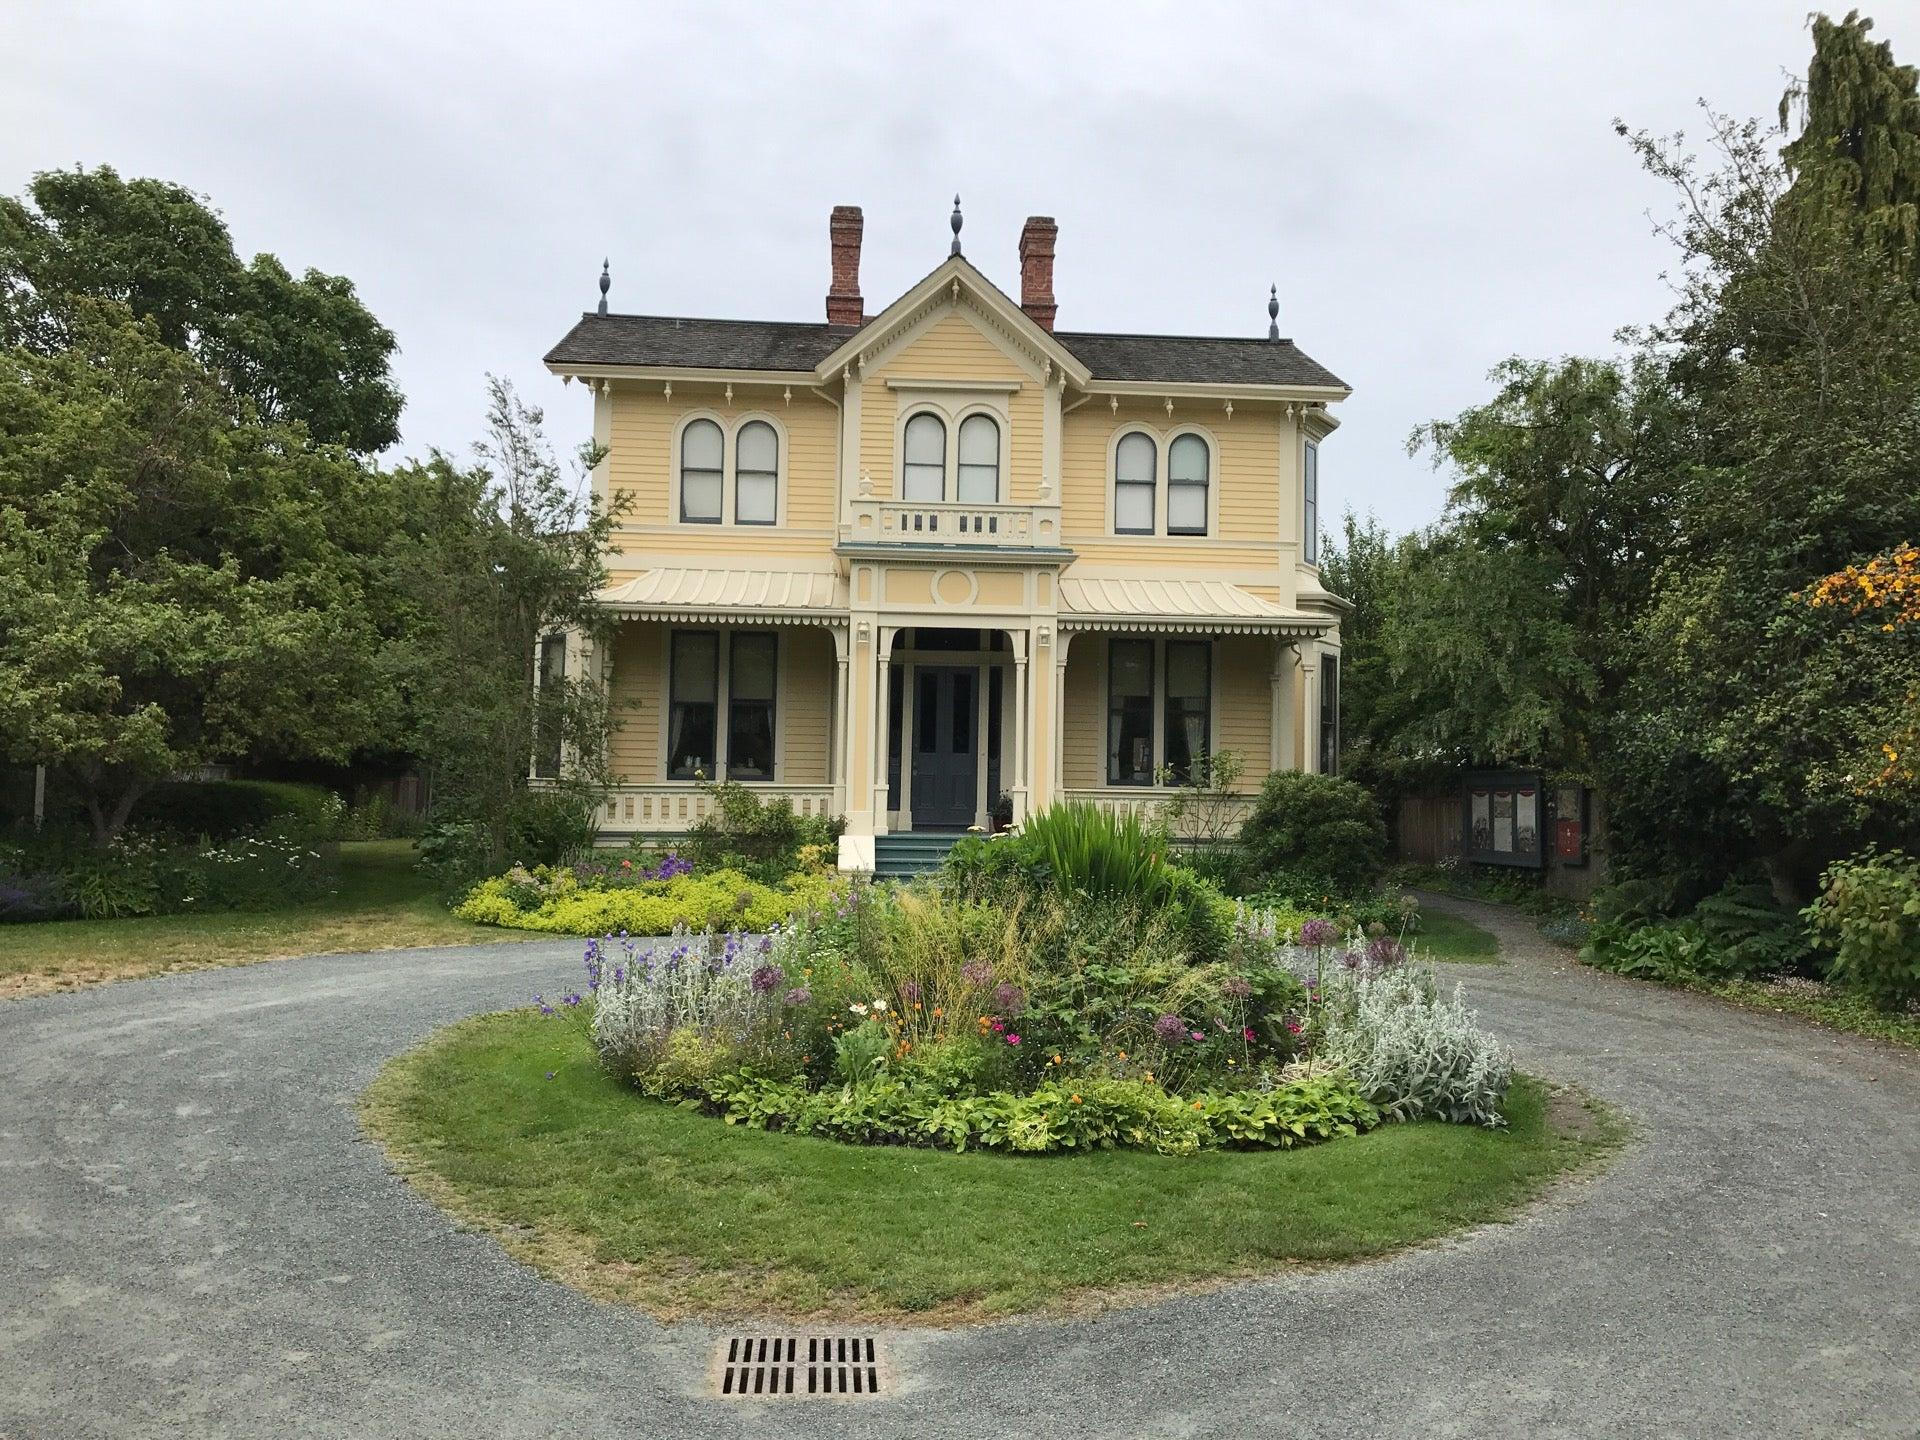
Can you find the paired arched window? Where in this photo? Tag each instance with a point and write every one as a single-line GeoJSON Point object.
{"type": "Point", "coordinates": [703, 474]}
{"type": "Point", "coordinates": [975, 463]}
{"type": "Point", "coordinates": [1136, 484]}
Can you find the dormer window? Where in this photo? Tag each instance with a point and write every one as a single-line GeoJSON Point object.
{"type": "Point", "coordinates": [701, 473]}
{"type": "Point", "coordinates": [1135, 491]}
{"type": "Point", "coordinates": [924, 464]}
{"type": "Point", "coordinates": [979, 461]}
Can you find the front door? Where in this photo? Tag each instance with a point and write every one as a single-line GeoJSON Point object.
{"type": "Point", "coordinates": [946, 711]}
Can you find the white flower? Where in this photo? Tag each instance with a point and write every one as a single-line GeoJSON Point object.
{"type": "Point", "coordinates": [879, 1004]}
{"type": "Point", "coordinates": [857, 1008]}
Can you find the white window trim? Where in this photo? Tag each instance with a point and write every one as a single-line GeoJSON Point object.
{"type": "Point", "coordinates": [730, 427]}
{"type": "Point", "coordinates": [952, 412]}
{"type": "Point", "coordinates": [1163, 482]}
{"type": "Point", "coordinates": [723, 694]}
{"type": "Point", "coordinates": [1310, 534]}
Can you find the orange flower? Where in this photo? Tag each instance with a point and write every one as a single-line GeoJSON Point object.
{"type": "Point", "coordinates": [1196, 1104]}
{"type": "Point", "coordinates": [1076, 1099]}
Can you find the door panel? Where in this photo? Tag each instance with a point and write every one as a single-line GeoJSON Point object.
{"type": "Point", "coordinates": [945, 756]}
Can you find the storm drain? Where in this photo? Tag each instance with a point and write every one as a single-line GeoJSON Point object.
{"type": "Point", "coordinates": [799, 1365]}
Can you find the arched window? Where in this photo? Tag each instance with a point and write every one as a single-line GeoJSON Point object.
{"type": "Point", "coordinates": [924, 466]}
{"type": "Point", "coordinates": [1134, 466]}
{"type": "Point", "coordinates": [979, 461]}
{"type": "Point", "coordinates": [1187, 486]}
{"type": "Point", "coordinates": [756, 474]}
{"type": "Point", "coordinates": [700, 473]}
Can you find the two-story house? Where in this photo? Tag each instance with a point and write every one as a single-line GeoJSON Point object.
{"type": "Point", "coordinates": [915, 566]}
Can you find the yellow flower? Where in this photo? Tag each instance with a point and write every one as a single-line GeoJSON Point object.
{"type": "Point", "coordinates": [1076, 1099]}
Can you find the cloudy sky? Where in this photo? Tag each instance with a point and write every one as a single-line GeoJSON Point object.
{"type": "Point", "coordinates": [1433, 187]}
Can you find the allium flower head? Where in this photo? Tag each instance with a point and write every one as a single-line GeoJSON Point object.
{"type": "Point", "coordinates": [765, 978]}
{"type": "Point", "coordinates": [1316, 933]}
{"type": "Point", "coordinates": [1008, 998]}
{"type": "Point", "coordinates": [1237, 986]}
{"type": "Point", "coordinates": [910, 992]}
{"type": "Point", "coordinates": [976, 972]}
{"type": "Point", "coordinates": [1385, 953]}
{"type": "Point", "coordinates": [1170, 1028]}
{"type": "Point", "coordinates": [799, 995]}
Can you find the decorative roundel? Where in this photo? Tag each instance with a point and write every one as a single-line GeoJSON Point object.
{"type": "Point", "coordinates": [956, 587]}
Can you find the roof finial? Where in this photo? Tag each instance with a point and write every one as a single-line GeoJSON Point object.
{"type": "Point", "coordinates": [954, 221]}
{"type": "Point", "coordinates": [606, 284]}
{"type": "Point", "coordinates": [1273, 312]}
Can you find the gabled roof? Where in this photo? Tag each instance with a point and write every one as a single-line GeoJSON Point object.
{"type": "Point", "coordinates": [666, 342]}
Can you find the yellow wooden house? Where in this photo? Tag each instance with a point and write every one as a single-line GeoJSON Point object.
{"type": "Point", "coordinates": [947, 563]}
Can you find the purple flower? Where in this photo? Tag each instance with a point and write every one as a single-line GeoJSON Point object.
{"type": "Point", "coordinates": [570, 1000]}
{"type": "Point", "coordinates": [1170, 1028]}
{"type": "Point", "coordinates": [797, 996]}
{"type": "Point", "coordinates": [1236, 986]}
{"type": "Point", "coordinates": [549, 1074]}
{"type": "Point", "coordinates": [910, 992]}
{"type": "Point", "coordinates": [1384, 953]}
{"type": "Point", "coordinates": [1008, 999]}
{"type": "Point", "coordinates": [1316, 933]}
{"type": "Point", "coordinates": [976, 972]}
{"type": "Point", "coordinates": [765, 978]}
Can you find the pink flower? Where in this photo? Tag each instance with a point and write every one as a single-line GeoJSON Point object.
{"type": "Point", "coordinates": [1198, 1036]}
{"type": "Point", "coordinates": [1013, 1039]}
{"type": "Point", "coordinates": [1247, 1034]}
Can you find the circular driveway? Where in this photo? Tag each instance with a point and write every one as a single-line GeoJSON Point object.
{"type": "Point", "coordinates": [195, 1239]}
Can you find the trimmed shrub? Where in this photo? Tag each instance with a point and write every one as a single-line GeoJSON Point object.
{"type": "Point", "coordinates": [723, 900]}
{"type": "Point", "coordinates": [1314, 831]}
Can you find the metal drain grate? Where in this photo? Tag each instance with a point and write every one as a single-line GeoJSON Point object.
{"type": "Point", "coordinates": [799, 1365]}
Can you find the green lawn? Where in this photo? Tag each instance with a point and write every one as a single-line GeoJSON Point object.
{"type": "Point", "coordinates": [508, 1121]}
{"type": "Point", "coordinates": [383, 903]}
{"type": "Point", "coordinates": [1454, 938]}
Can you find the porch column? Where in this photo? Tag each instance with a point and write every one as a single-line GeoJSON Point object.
{"type": "Point", "coordinates": [1018, 791]}
{"type": "Point", "coordinates": [1282, 754]}
{"type": "Point", "coordinates": [1310, 689]}
{"type": "Point", "coordinates": [837, 739]}
{"type": "Point", "coordinates": [1061, 642]}
{"type": "Point", "coordinates": [857, 747]}
{"type": "Point", "coordinates": [1040, 742]}
{"type": "Point", "coordinates": [883, 662]}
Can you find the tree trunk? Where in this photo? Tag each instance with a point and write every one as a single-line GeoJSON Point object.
{"type": "Point", "coordinates": [107, 811]}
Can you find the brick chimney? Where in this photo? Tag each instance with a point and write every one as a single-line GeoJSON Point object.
{"type": "Point", "coordinates": [844, 227]}
{"type": "Point", "coordinates": [1036, 269]}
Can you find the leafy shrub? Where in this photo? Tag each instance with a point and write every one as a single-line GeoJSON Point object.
{"type": "Point", "coordinates": [376, 817]}
{"type": "Point", "coordinates": [550, 826]}
{"type": "Point", "coordinates": [64, 873]}
{"type": "Point", "coordinates": [1412, 1054]}
{"type": "Point", "coordinates": [1318, 830]}
{"type": "Point", "coordinates": [680, 1014]}
{"type": "Point", "coordinates": [764, 838]}
{"type": "Point", "coordinates": [1868, 914]}
{"type": "Point", "coordinates": [455, 854]}
{"type": "Point", "coordinates": [222, 809]}
{"type": "Point", "coordinates": [1751, 934]}
{"type": "Point", "coordinates": [725, 899]}
{"type": "Point", "coordinates": [1669, 950]}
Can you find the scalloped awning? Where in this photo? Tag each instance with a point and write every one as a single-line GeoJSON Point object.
{"type": "Point", "coordinates": [1197, 606]}
{"type": "Point", "coordinates": [791, 597]}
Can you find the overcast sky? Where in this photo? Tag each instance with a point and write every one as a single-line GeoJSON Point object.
{"type": "Point", "coordinates": [1433, 187]}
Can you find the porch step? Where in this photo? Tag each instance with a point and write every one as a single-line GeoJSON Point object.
{"type": "Point", "coordinates": [915, 853]}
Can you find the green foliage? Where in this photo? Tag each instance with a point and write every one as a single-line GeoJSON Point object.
{"type": "Point", "coordinates": [297, 350]}
{"type": "Point", "coordinates": [220, 809]}
{"type": "Point", "coordinates": [63, 874]}
{"type": "Point", "coordinates": [551, 826]}
{"type": "Point", "coordinates": [722, 899]}
{"type": "Point", "coordinates": [860, 1052]}
{"type": "Point", "coordinates": [1751, 933]}
{"type": "Point", "coordinates": [1319, 831]}
{"type": "Point", "coordinates": [761, 837]}
{"type": "Point", "coordinates": [1868, 915]}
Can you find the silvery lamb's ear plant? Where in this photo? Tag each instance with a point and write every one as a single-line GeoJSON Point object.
{"type": "Point", "coordinates": [703, 984]}
{"type": "Point", "coordinates": [1413, 1054]}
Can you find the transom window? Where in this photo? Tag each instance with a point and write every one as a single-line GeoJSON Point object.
{"type": "Point", "coordinates": [1145, 740]}
{"type": "Point", "coordinates": [707, 455]}
{"type": "Point", "coordinates": [1138, 458]}
{"type": "Point", "coordinates": [974, 465]}
{"type": "Point", "coordinates": [720, 710]}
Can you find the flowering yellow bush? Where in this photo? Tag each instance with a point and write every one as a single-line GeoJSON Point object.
{"type": "Point", "coordinates": [1886, 588]}
{"type": "Point", "coordinates": [722, 900]}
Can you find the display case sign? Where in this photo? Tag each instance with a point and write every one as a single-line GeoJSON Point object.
{"type": "Point", "coordinates": [1570, 824]}
{"type": "Point", "coordinates": [1504, 815]}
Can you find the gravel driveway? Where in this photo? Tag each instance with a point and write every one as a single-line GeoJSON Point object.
{"type": "Point", "coordinates": [195, 1240]}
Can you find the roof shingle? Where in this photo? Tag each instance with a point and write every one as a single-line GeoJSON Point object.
{"type": "Point", "coordinates": [667, 342]}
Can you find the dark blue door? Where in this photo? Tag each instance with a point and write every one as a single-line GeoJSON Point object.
{"type": "Point", "coordinates": [945, 759]}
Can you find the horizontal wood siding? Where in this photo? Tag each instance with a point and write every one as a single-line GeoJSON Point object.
{"type": "Point", "coordinates": [1243, 704]}
{"type": "Point", "coordinates": [1086, 713]}
{"type": "Point", "coordinates": [807, 679]}
{"type": "Point", "coordinates": [637, 693]}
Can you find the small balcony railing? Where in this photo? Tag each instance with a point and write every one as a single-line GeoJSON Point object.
{"type": "Point", "coordinates": [948, 522]}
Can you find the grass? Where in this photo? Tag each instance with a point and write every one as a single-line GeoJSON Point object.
{"type": "Point", "coordinates": [508, 1121]}
{"type": "Point", "coordinates": [382, 903]}
{"type": "Point", "coordinates": [1819, 1002]}
{"type": "Point", "coordinates": [1455, 939]}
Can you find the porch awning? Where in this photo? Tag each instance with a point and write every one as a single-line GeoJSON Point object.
{"type": "Point", "coordinates": [775, 597]}
{"type": "Point", "coordinates": [1211, 607]}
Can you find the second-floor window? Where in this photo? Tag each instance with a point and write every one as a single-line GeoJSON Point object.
{"type": "Point", "coordinates": [1310, 505]}
{"type": "Point", "coordinates": [1138, 458]}
{"type": "Point", "coordinates": [969, 475]}
{"type": "Point", "coordinates": [735, 480]}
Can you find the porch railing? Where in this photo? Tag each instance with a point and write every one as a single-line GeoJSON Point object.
{"type": "Point", "coordinates": [668, 809]}
{"type": "Point", "coordinates": [948, 522]}
{"type": "Point", "coordinates": [1145, 802]}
